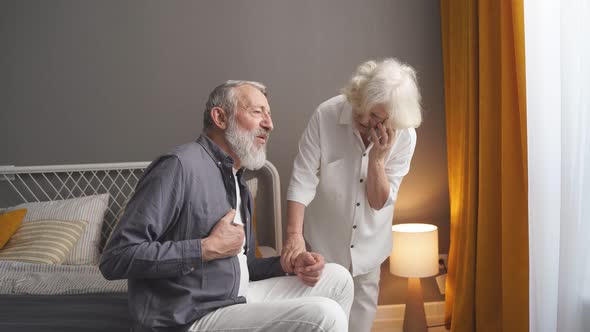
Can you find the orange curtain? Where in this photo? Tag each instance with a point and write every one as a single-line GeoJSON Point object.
{"type": "Point", "coordinates": [485, 102]}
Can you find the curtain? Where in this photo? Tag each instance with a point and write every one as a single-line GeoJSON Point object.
{"type": "Point", "coordinates": [485, 105]}
{"type": "Point", "coordinates": [558, 98]}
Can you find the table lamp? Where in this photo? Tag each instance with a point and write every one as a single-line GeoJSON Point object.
{"type": "Point", "coordinates": [414, 255]}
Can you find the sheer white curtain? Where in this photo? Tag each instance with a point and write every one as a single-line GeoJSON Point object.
{"type": "Point", "coordinates": [557, 44]}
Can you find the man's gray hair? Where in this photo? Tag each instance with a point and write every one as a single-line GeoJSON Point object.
{"type": "Point", "coordinates": [224, 97]}
{"type": "Point", "coordinates": [391, 83]}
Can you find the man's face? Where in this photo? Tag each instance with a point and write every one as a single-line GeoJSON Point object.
{"type": "Point", "coordinates": [249, 127]}
{"type": "Point", "coordinates": [367, 120]}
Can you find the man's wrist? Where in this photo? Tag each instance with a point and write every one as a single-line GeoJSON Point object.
{"type": "Point", "coordinates": [206, 250]}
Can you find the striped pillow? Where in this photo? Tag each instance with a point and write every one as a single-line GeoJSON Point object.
{"type": "Point", "coordinates": [89, 208]}
{"type": "Point", "coordinates": [118, 218]}
{"type": "Point", "coordinates": [43, 241]}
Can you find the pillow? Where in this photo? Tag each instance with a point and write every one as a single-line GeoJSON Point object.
{"type": "Point", "coordinates": [118, 218]}
{"type": "Point", "coordinates": [89, 208]}
{"type": "Point", "coordinates": [9, 223]}
{"type": "Point", "coordinates": [266, 252]}
{"type": "Point", "coordinates": [253, 187]}
{"type": "Point", "coordinates": [43, 241]}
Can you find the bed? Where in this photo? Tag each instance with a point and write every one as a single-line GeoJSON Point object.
{"type": "Point", "coordinates": [72, 295]}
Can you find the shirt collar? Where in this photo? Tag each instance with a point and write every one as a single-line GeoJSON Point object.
{"type": "Point", "coordinates": [346, 119]}
{"type": "Point", "coordinates": [216, 153]}
{"type": "Point", "coordinates": [346, 114]}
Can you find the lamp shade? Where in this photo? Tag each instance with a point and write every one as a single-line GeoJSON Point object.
{"type": "Point", "coordinates": [415, 250]}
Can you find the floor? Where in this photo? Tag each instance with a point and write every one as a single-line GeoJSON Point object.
{"type": "Point", "coordinates": [390, 318]}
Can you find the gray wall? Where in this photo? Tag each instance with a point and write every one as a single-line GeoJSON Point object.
{"type": "Point", "coordinates": [111, 81]}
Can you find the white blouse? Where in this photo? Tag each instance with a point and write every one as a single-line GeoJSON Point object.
{"type": "Point", "coordinates": [329, 177]}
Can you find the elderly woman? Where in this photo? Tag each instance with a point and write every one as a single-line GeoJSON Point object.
{"type": "Point", "coordinates": [352, 158]}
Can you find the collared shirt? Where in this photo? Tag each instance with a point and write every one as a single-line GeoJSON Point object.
{"type": "Point", "coordinates": [244, 274]}
{"type": "Point", "coordinates": [329, 177]}
{"type": "Point", "coordinates": [156, 245]}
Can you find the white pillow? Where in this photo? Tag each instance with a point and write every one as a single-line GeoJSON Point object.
{"type": "Point", "coordinates": [267, 251]}
{"type": "Point", "coordinates": [253, 187]}
{"type": "Point", "coordinates": [89, 208]}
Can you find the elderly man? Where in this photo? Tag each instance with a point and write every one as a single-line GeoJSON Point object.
{"type": "Point", "coordinates": [185, 240]}
{"type": "Point", "coordinates": [352, 157]}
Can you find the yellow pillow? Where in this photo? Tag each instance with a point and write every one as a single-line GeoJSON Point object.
{"type": "Point", "coordinates": [9, 223]}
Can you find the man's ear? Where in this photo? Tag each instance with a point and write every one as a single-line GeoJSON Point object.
{"type": "Point", "coordinates": [219, 117]}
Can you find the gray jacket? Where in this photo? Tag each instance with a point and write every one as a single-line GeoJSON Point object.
{"type": "Point", "coordinates": [157, 243]}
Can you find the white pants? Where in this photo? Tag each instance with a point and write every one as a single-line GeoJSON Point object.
{"type": "Point", "coordinates": [364, 306]}
{"type": "Point", "coordinates": [285, 304]}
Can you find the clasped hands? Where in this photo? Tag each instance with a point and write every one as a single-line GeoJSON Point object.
{"type": "Point", "coordinates": [295, 259]}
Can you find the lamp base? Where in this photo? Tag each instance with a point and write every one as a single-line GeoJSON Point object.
{"type": "Point", "coordinates": [414, 315]}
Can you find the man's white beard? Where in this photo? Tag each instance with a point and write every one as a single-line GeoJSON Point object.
{"type": "Point", "coordinates": [243, 145]}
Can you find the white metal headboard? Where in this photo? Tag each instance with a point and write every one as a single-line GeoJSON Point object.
{"type": "Point", "coordinates": [47, 183]}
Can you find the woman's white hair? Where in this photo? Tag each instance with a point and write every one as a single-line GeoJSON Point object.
{"type": "Point", "coordinates": [390, 83]}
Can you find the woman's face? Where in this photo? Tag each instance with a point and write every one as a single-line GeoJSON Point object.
{"type": "Point", "coordinates": [364, 121]}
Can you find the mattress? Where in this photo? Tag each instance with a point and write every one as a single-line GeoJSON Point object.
{"type": "Point", "coordinates": [64, 313]}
